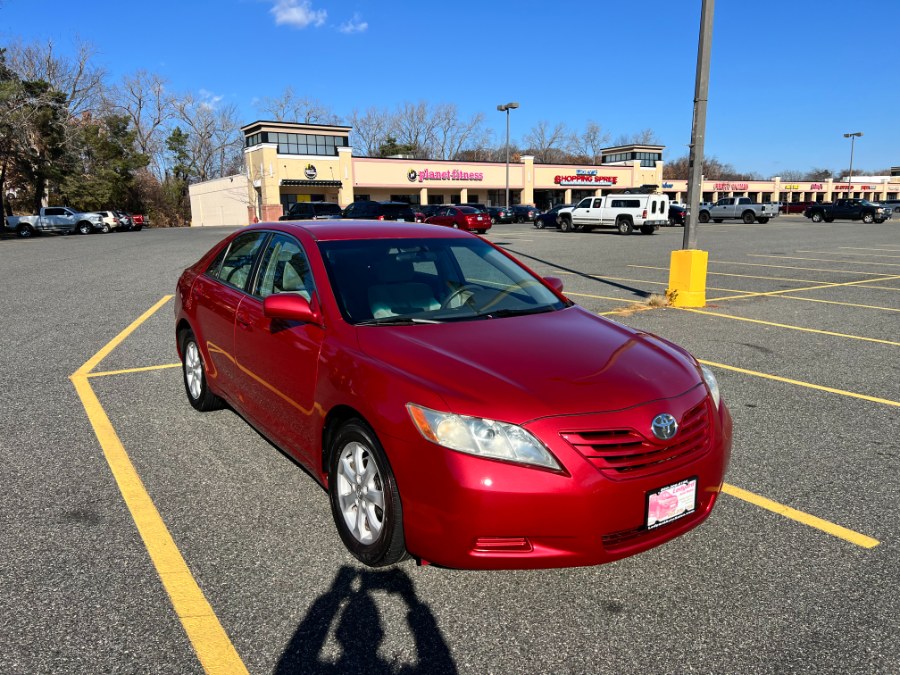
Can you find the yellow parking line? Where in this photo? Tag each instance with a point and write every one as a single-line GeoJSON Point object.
{"type": "Point", "coordinates": [133, 370]}
{"type": "Point", "coordinates": [806, 269]}
{"type": "Point", "coordinates": [833, 302]}
{"type": "Point", "coordinates": [745, 276]}
{"type": "Point", "coordinates": [790, 327]}
{"type": "Point", "coordinates": [800, 383]}
{"type": "Point", "coordinates": [212, 645]}
{"type": "Point", "coordinates": [816, 288]}
{"type": "Point", "coordinates": [847, 262]}
{"type": "Point", "coordinates": [801, 517]}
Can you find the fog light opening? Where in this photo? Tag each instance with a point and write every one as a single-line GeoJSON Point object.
{"type": "Point", "coordinates": [503, 544]}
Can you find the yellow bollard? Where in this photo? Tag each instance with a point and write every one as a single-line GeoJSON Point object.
{"type": "Point", "coordinates": [687, 278]}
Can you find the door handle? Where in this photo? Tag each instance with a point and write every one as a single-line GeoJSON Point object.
{"type": "Point", "coordinates": [243, 322]}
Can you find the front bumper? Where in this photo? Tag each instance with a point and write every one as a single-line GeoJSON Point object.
{"type": "Point", "coordinates": [469, 512]}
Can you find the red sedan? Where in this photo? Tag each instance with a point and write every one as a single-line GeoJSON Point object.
{"type": "Point", "coordinates": [462, 217]}
{"type": "Point", "coordinates": [405, 367]}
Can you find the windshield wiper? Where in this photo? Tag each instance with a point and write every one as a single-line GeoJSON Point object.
{"type": "Point", "coordinates": [502, 313]}
{"type": "Point", "coordinates": [396, 321]}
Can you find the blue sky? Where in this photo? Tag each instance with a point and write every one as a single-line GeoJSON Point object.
{"type": "Point", "coordinates": [787, 80]}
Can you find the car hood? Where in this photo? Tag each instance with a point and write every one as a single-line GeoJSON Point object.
{"type": "Point", "coordinates": [522, 368]}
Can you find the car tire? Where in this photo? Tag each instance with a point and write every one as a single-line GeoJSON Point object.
{"type": "Point", "coordinates": [493, 220]}
{"type": "Point", "coordinates": [365, 501]}
{"type": "Point", "coordinates": [84, 227]}
{"type": "Point", "coordinates": [539, 224]}
{"type": "Point", "coordinates": [105, 228]}
{"type": "Point", "coordinates": [817, 217]}
{"type": "Point", "coordinates": [194, 374]}
{"type": "Point", "coordinates": [25, 231]}
{"type": "Point", "coordinates": [748, 217]}
{"type": "Point", "coordinates": [625, 226]}
{"type": "Point", "coordinates": [868, 218]}
{"type": "Point", "coordinates": [703, 217]}
{"type": "Point", "coordinates": [763, 220]}
{"type": "Point", "coordinates": [137, 228]}
{"type": "Point", "coordinates": [671, 222]}
{"type": "Point", "coordinates": [565, 225]}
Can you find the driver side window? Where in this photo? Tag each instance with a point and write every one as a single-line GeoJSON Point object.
{"type": "Point", "coordinates": [284, 269]}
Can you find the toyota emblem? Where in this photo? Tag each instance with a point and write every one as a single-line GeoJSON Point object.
{"type": "Point", "coordinates": [664, 426]}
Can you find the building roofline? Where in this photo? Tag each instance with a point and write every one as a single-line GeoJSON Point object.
{"type": "Point", "coordinates": [292, 125]}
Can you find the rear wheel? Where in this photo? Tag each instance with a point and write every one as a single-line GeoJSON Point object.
{"type": "Point", "coordinates": [703, 217]}
{"type": "Point", "coordinates": [817, 217]}
{"type": "Point", "coordinates": [104, 228]}
{"type": "Point", "coordinates": [25, 231]}
{"type": "Point", "coordinates": [194, 371]}
{"type": "Point", "coordinates": [748, 217]}
{"type": "Point", "coordinates": [625, 226]}
{"type": "Point", "coordinates": [365, 501]}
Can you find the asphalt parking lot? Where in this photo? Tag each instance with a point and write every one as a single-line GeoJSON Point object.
{"type": "Point", "coordinates": [795, 571]}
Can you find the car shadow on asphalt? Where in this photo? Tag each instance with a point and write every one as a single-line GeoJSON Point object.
{"type": "Point", "coordinates": [592, 277]}
{"type": "Point", "coordinates": [349, 611]}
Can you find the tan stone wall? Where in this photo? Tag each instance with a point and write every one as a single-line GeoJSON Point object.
{"type": "Point", "coordinates": [223, 201]}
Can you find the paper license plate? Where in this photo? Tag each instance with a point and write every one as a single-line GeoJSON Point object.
{"type": "Point", "coordinates": [671, 503]}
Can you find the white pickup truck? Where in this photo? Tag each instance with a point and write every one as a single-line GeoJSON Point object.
{"type": "Point", "coordinates": [623, 211]}
{"type": "Point", "coordinates": [731, 208]}
{"type": "Point", "coordinates": [56, 219]}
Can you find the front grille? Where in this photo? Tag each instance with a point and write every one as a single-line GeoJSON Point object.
{"type": "Point", "coordinates": [625, 453]}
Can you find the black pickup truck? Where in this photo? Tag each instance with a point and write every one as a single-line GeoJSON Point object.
{"type": "Point", "coordinates": [848, 209]}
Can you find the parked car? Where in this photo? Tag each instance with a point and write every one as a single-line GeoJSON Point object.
{"type": "Point", "coordinates": [59, 219]}
{"type": "Point", "coordinates": [478, 207]}
{"type": "Point", "coordinates": [463, 217]}
{"type": "Point", "coordinates": [548, 218]}
{"type": "Point", "coordinates": [500, 214]}
{"type": "Point", "coordinates": [140, 221]}
{"type": "Point", "coordinates": [367, 210]}
{"type": "Point", "coordinates": [893, 204]}
{"type": "Point", "coordinates": [677, 214]}
{"type": "Point", "coordinates": [313, 211]}
{"type": "Point", "coordinates": [645, 211]}
{"type": "Point", "coordinates": [848, 209]}
{"type": "Point", "coordinates": [522, 213]}
{"type": "Point", "coordinates": [796, 207]}
{"type": "Point", "coordinates": [111, 221]}
{"type": "Point", "coordinates": [405, 368]}
{"type": "Point", "coordinates": [733, 208]}
{"type": "Point", "coordinates": [428, 210]}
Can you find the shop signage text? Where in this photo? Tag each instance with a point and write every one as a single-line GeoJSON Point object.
{"type": "Point", "coordinates": [585, 179]}
{"type": "Point", "coordinates": [668, 186]}
{"type": "Point", "coordinates": [732, 186]}
{"type": "Point", "coordinates": [454, 174]}
{"type": "Point", "coordinates": [816, 186]}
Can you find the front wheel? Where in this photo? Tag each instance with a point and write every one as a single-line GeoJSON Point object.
{"type": "Point", "coordinates": [365, 502]}
{"type": "Point", "coordinates": [84, 227]}
{"type": "Point", "coordinates": [565, 225]}
{"type": "Point", "coordinates": [868, 218]}
{"type": "Point", "coordinates": [194, 371]}
{"type": "Point", "coordinates": [539, 224]}
{"type": "Point", "coordinates": [703, 217]}
{"type": "Point", "coordinates": [625, 226]}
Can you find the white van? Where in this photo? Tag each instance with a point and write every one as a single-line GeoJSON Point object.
{"type": "Point", "coordinates": [624, 211]}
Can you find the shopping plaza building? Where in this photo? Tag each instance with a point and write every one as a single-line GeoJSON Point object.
{"type": "Point", "coordinates": [288, 162]}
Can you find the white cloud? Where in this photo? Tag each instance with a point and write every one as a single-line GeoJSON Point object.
{"type": "Point", "coordinates": [354, 25]}
{"type": "Point", "coordinates": [298, 13]}
{"type": "Point", "coordinates": [209, 100]}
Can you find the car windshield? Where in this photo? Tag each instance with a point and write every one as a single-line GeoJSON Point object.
{"type": "Point", "coordinates": [404, 281]}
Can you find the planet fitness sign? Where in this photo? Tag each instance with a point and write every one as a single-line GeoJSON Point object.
{"type": "Point", "coordinates": [426, 175]}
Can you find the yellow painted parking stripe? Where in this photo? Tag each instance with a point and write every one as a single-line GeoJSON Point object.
{"type": "Point", "coordinates": [92, 362]}
{"type": "Point", "coordinates": [805, 269]}
{"type": "Point", "coordinates": [800, 383]}
{"type": "Point", "coordinates": [846, 262]}
{"type": "Point", "coordinates": [790, 327]}
{"type": "Point", "coordinates": [801, 517]}
{"type": "Point", "coordinates": [815, 288]}
{"type": "Point", "coordinates": [125, 371]}
{"type": "Point", "coordinates": [744, 276]}
{"type": "Point", "coordinates": [833, 302]}
{"type": "Point", "coordinates": [211, 644]}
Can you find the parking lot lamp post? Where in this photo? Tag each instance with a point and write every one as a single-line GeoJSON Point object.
{"type": "Point", "coordinates": [507, 107]}
{"type": "Point", "coordinates": [852, 137]}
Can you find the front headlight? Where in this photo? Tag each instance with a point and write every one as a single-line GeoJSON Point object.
{"type": "Point", "coordinates": [481, 437]}
{"type": "Point", "coordinates": [712, 384]}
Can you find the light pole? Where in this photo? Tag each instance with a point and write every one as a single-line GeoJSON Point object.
{"type": "Point", "coordinates": [852, 137]}
{"type": "Point", "coordinates": [507, 107]}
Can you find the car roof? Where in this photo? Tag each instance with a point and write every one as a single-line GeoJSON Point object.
{"type": "Point", "coordinates": [330, 230]}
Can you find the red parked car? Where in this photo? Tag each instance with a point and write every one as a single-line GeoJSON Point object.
{"type": "Point", "coordinates": [463, 217]}
{"type": "Point", "coordinates": [405, 367]}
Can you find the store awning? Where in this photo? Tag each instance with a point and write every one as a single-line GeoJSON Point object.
{"type": "Point", "coordinates": [292, 182]}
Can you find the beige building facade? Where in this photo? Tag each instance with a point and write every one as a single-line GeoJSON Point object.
{"type": "Point", "coordinates": [288, 162]}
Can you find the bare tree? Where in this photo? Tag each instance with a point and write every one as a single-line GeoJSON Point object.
{"type": "Point", "coordinates": [78, 79]}
{"type": "Point", "coordinates": [547, 145]}
{"type": "Point", "coordinates": [292, 108]}
{"type": "Point", "coordinates": [450, 135]}
{"type": "Point", "coordinates": [370, 130]}
{"type": "Point", "coordinates": [413, 125]}
{"type": "Point", "coordinates": [143, 99]}
{"type": "Point", "coordinates": [215, 142]}
{"type": "Point", "coordinates": [642, 137]}
{"type": "Point", "coordinates": [588, 146]}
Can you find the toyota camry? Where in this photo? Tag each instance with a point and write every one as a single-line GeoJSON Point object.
{"type": "Point", "coordinates": [405, 367]}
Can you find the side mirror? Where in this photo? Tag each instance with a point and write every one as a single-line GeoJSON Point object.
{"type": "Point", "coordinates": [555, 283]}
{"type": "Point", "coordinates": [290, 306]}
